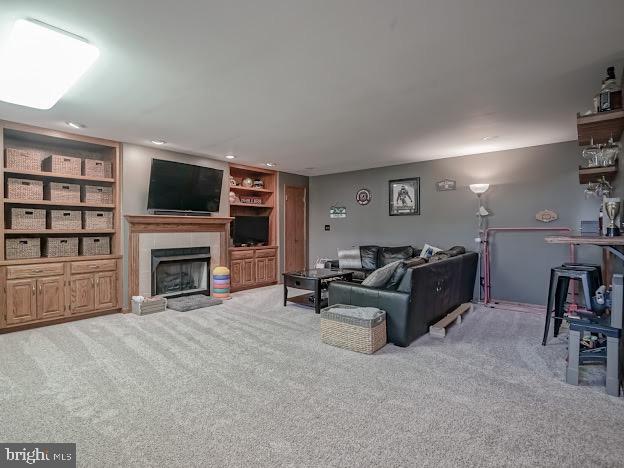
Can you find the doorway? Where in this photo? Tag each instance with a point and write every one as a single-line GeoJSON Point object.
{"type": "Point", "coordinates": [295, 229]}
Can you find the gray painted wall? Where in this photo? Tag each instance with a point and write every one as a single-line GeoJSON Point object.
{"type": "Point", "coordinates": [293, 180]}
{"type": "Point", "coordinates": [523, 182]}
{"type": "Point", "coordinates": [137, 163]}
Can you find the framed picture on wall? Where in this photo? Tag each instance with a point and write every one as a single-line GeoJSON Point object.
{"type": "Point", "coordinates": [404, 197]}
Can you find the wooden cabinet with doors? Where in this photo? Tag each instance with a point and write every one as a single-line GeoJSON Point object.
{"type": "Point", "coordinates": [252, 267]}
{"type": "Point", "coordinates": [32, 296]}
{"type": "Point", "coordinates": [93, 291]}
{"type": "Point", "coordinates": [29, 300]}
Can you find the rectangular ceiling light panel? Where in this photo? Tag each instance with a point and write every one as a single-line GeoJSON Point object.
{"type": "Point", "coordinates": [40, 64]}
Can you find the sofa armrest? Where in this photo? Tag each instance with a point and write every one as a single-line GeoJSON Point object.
{"type": "Point", "coordinates": [396, 304]}
{"type": "Point", "coordinates": [332, 264]}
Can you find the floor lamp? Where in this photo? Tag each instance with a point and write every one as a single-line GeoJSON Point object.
{"type": "Point", "coordinates": [480, 189]}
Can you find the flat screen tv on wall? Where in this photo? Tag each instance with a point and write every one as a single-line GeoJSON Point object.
{"type": "Point", "coordinates": [182, 187]}
{"type": "Point", "coordinates": [250, 230]}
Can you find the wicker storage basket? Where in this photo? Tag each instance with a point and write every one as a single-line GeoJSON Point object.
{"type": "Point", "coordinates": [23, 248]}
{"type": "Point", "coordinates": [59, 164]}
{"type": "Point", "coordinates": [23, 159]}
{"type": "Point", "coordinates": [96, 194]}
{"type": "Point", "coordinates": [61, 247]}
{"type": "Point", "coordinates": [97, 168]}
{"type": "Point", "coordinates": [26, 218]}
{"type": "Point", "coordinates": [361, 329]}
{"type": "Point", "coordinates": [24, 189]}
{"type": "Point", "coordinates": [95, 246]}
{"type": "Point", "coordinates": [56, 191]}
{"type": "Point", "coordinates": [65, 219]}
{"type": "Point", "coordinates": [98, 220]}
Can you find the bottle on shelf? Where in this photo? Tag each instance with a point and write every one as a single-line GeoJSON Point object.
{"type": "Point", "coordinates": [601, 219]}
{"type": "Point", "coordinates": [610, 94]}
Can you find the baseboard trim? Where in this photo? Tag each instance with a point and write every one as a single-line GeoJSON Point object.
{"type": "Point", "coordinates": [253, 286]}
{"type": "Point", "coordinates": [28, 326]}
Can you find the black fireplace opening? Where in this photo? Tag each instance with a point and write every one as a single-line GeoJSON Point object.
{"type": "Point", "coordinates": [181, 271]}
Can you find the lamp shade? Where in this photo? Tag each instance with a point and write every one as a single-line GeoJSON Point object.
{"type": "Point", "coordinates": [479, 188]}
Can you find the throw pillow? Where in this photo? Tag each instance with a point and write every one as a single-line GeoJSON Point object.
{"type": "Point", "coordinates": [349, 258]}
{"type": "Point", "coordinates": [436, 257]}
{"type": "Point", "coordinates": [379, 277]}
{"type": "Point", "coordinates": [392, 254]}
{"type": "Point", "coordinates": [398, 274]}
{"type": "Point", "coordinates": [456, 250]}
{"type": "Point", "coordinates": [428, 251]}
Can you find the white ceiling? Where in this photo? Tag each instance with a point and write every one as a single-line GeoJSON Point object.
{"type": "Point", "coordinates": [332, 85]}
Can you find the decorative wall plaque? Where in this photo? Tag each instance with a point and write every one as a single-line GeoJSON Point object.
{"type": "Point", "coordinates": [363, 196]}
{"type": "Point", "coordinates": [338, 212]}
{"type": "Point", "coordinates": [446, 185]}
{"type": "Point", "coordinates": [546, 216]}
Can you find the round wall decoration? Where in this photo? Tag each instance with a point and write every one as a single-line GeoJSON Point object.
{"type": "Point", "coordinates": [363, 196]}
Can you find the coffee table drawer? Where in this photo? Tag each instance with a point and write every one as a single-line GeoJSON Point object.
{"type": "Point", "coordinates": [300, 283]}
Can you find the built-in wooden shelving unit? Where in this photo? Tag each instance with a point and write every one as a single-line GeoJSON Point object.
{"type": "Point", "coordinates": [599, 128]}
{"type": "Point", "coordinates": [593, 174]}
{"type": "Point", "coordinates": [254, 266]}
{"type": "Point", "coordinates": [43, 290]}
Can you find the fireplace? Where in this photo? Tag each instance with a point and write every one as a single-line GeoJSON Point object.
{"type": "Point", "coordinates": [181, 271]}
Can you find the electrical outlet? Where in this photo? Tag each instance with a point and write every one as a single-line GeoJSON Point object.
{"type": "Point", "coordinates": [327, 227]}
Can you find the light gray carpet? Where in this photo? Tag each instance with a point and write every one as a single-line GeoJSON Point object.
{"type": "Point", "coordinates": [248, 383]}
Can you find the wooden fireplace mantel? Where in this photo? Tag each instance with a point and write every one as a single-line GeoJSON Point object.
{"type": "Point", "coordinates": [141, 224]}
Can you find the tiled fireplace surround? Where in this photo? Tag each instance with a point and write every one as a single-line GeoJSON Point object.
{"type": "Point", "coordinates": [147, 232]}
{"type": "Point", "coordinates": [168, 240]}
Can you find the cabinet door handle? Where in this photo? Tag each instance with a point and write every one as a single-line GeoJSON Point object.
{"type": "Point", "coordinates": [34, 290]}
{"type": "Point", "coordinates": [91, 281]}
{"type": "Point", "coordinates": [40, 288]}
{"type": "Point", "coordinates": [37, 271]}
{"type": "Point", "coordinates": [93, 266]}
{"type": "Point", "coordinates": [97, 281]}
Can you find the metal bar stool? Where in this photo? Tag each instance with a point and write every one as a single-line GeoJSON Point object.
{"type": "Point", "coordinates": [558, 290]}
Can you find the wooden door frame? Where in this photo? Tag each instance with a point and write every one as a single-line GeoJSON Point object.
{"type": "Point", "coordinates": [305, 224]}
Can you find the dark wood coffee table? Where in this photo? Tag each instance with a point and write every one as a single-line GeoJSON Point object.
{"type": "Point", "coordinates": [315, 280]}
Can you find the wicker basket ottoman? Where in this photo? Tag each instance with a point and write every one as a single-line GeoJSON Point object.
{"type": "Point", "coordinates": [361, 329]}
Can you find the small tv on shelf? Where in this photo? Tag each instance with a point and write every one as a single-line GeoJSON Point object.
{"type": "Point", "coordinates": [250, 230]}
{"type": "Point", "coordinates": [179, 187]}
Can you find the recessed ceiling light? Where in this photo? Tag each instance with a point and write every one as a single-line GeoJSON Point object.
{"type": "Point", "coordinates": [270, 164]}
{"type": "Point", "coordinates": [159, 142]}
{"type": "Point", "coordinates": [75, 125]}
{"type": "Point", "coordinates": [40, 63]}
{"type": "Point", "coordinates": [489, 138]}
{"type": "Point", "coordinates": [229, 156]}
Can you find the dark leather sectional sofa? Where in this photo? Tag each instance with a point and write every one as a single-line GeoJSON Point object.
{"type": "Point", "coordinates": [425, 294]}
